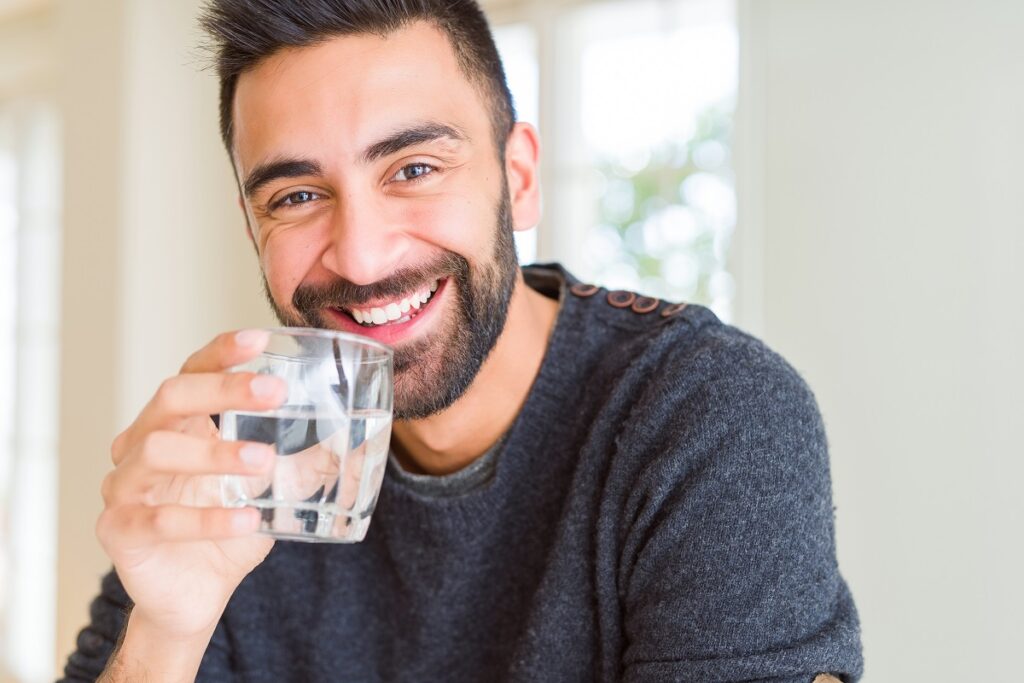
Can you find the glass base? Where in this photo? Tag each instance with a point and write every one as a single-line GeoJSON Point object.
{"type": "Point", "coordinates": [308, 522]}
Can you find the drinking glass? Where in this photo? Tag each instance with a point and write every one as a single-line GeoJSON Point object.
{"type": "Point", "coordinates": [331, 436]}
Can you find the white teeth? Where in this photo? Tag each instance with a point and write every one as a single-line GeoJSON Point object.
{"type": "Point", "coordinates": [394, 311]}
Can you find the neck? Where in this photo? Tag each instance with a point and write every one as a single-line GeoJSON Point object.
{"type": "Point", "coordinates": [450, 440]}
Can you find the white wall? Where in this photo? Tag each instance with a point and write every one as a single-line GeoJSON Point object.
{"type": "Point", "coordinates": [882, 226]}
{"type": "Point", "coordinates": [155, 257]}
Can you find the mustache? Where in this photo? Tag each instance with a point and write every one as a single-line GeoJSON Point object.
{"type": "Point", "coordinates": [342, 293]}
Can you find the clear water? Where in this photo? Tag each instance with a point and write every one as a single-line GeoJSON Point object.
{"type": "Point", "coordinates": [327, 473]}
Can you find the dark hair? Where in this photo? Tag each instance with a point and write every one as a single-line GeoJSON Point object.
{"type": "Point", "coordinates": [244, 32]}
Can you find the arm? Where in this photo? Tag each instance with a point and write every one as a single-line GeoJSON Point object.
{"type": "Point", "coordinates": [102, 655]}
{"type": "Point", "coordinates": [728, 569]}
{"type": "Point", "coordinates": [145, 653]}
{"type": "Point", "coordinates": [178, 554]}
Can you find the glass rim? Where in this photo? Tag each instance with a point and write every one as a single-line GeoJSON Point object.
{"type": "Point", "coordinates": [330, 334]}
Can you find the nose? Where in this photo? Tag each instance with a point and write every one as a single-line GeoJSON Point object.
{"type": "Point", "coordinates": [364, 245]}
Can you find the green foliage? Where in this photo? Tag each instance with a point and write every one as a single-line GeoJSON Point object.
{"type": "Point", "coordinates": [633, 208]}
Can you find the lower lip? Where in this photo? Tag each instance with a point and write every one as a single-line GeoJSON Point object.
{"type": "Point", "coordinates": [394, 333]}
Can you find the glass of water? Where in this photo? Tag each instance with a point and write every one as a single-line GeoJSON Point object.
{"type": "Point", "coordinates": [331, 436]}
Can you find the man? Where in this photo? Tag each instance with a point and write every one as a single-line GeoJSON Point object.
{"type": "Point", "coordinates": [585, 485]}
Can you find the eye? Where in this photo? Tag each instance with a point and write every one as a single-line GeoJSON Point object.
{"type": "Point", "coordinates": [413, 172]}
{"type": "Point", "coordinates": [296, 198]}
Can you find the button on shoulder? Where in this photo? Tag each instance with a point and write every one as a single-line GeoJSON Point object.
{"type": "Point", "coordinates": [584, 290]}
{"type": "Point", "coordinates": [621, 298]}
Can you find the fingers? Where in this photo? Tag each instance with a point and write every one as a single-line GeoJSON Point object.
{"type": "Point", "coordinates": [176, 453]}
{"type": "Point", "coordinates": [127, 527]}
{"type": "Point", "coordinates": [204, 388]}
{"type": "Point", "coordinates": [207, 393]}
{"type": "Point", "coordinates": [351, 476]}
{"type": "Point", "coordinates": [167, 458]}
{"type": "Point", "coordinates": [227, 350]}
{"type": "Point", "coordinates": [163, 454]}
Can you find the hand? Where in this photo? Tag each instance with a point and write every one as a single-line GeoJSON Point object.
{"type": "Point", "coordinates": [179, 554]}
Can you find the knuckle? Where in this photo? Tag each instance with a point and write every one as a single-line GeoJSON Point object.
{"type": "Point", "coordinates": [237, 384]}
{"type": "Point", "coordinates": [211, 522]}
{"type": "Point", "coordinates": [118, 445]}
{"type": "Point", "coordinates": [151, 449]}
{"type": "Point", "coordinates": [166, 393]}
{"type": "Point", "coordinates": [161, 520]}
{"type": "Point", "coordinates": [102, 528]}
{"type": "Point", "coordinates": [226, 454]}
{"type": "Point", "coordinates": [107, 489]}
{"type": "Point", "coordinates": [112, 524]}
{"type": "Point", "coordinates": [221, 522]}
{"type": "Point", "coordinates": [150, 496]}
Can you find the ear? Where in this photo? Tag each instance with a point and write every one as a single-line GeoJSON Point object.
{"type": "Point", "coordinates": [522, 166]}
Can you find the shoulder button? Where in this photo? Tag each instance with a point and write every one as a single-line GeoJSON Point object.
{"type": "Point", "coordinates": [645, 304]}
{"type": "Point", "coordinates": [621, 298]}
{"type": "Point", "coordinates": [583, 290]}
{"type": "Point", "coordinates": [672, 310]}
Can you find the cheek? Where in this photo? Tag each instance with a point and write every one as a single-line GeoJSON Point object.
{"type": "Point", "coordinates": [286, 264]}
{"type": "Point", "coordinates": [457, 224]}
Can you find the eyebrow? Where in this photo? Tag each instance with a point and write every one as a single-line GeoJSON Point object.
{"type": "Point", "coordinates": [294, 168]}
{"type": "Point", "coordinates": [279, 168]}
{"type": "Point", "coordinates": [416, 135]}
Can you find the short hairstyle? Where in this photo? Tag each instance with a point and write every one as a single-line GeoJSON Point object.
{"type": "Point", "coordinates": [242, 33]}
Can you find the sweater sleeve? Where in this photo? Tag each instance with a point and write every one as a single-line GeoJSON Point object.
{"type": "Point", "coordinates": [216, 666]}
{"type": "Point", "coordinates": [728, 571]}
{"type": "Point", "coordinates": [97, 640]}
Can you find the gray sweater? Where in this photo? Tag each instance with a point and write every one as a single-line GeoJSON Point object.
{"type": "Point", "coordinates": [659, 511]}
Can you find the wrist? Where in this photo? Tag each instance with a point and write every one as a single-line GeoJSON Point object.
{"type": "Point", "coordinates": [149, 652]}
{"type": "Point", "coordinates": [162, 631]}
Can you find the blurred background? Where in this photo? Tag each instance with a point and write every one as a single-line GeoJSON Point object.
{"type": "Point", "coordinates": [841, 178]}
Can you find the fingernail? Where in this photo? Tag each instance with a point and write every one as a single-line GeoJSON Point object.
{"type": "Point", "coordinates": [264, 386]}
{"type": "Point", "coordinates": [252, 338]}
{"type": "Point", "coordinates": [254, 455]}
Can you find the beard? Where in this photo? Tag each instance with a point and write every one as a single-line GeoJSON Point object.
{"type": "Point", "coordinates": [432, 372]}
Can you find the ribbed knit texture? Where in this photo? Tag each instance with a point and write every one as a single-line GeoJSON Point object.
{"type": "Point", "coordinates": [660, 511]}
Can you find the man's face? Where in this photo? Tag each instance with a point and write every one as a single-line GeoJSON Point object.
{"type": "Point", "coordinates": [378, 203]}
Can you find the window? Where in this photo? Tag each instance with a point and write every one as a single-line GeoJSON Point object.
{"type": "Point", "coordinates": [29, 291]}
{"type": "Point", "coordinates": [517, 44]}
{"type": "Point", "coordinates": [636, 101]}
{"type": "Point", "coordinates": [29, 299]}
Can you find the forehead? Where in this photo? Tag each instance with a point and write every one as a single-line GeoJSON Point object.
{"type": "Point", "coordinates": [347, 92]}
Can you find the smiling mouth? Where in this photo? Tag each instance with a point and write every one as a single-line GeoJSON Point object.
{"type": "Point", "coordinates": [394, 312]}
